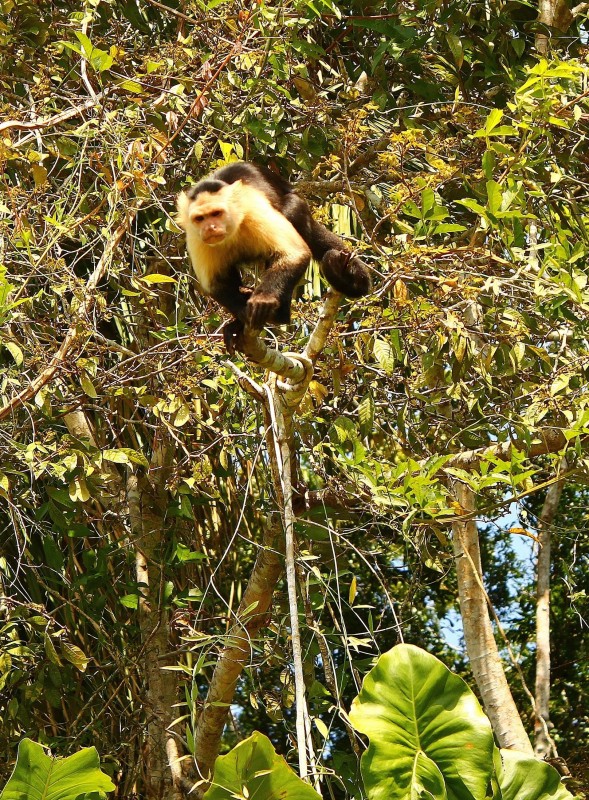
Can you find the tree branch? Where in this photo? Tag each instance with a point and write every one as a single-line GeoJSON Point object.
{"type": "Point", "coordinates": [251, 617]}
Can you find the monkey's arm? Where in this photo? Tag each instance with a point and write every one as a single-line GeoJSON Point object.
{"type": "Point", "coordinates": [270, 301]}
{"type": "Point", "coordinates": [228, 290]}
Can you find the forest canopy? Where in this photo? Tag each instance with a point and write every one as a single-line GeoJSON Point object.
{"type": "Point", "coordinates": [433, 434]}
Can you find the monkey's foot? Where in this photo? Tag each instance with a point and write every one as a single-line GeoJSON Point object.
{"type": "Point", "coordinates": [346, 273]}
{"type": "Point", "coordinates": [232, 332]}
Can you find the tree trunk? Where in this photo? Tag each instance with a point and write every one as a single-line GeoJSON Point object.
{"type": "Point", "coordinates": [543, 745]}
{"type": "Point", "coordinates": [148, 500]}
{"type": "Point", "coordinates": [480, 642]}
{"type": "Point", "coordinates": [557, 15]}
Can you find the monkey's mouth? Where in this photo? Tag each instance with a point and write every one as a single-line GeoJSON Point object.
{"type": "Point", "coordinates": [213, 238]}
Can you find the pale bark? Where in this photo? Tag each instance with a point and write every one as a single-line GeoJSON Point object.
{"type": "Point", "coordinates": [148, 500]}
{"type": "Point", "coordinates": [287, 365]}
{"type": "Point", "coordinates": [281, 419]}
{"type": "Point", "coordinates": [251, 617]}
{"type": "Point", "coordinates": [557, 15]}
{"type": "Point", "coordinates": [544, 744]}
{"type": "Point", "coordinates": [481, 646]}
{"type": "Point", "coordinates": [296, 370]}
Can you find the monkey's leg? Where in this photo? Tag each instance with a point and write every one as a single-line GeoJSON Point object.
{"type": "Point", "coordinates": [345, 272]}
{"type": "Point", "coordinates": [270, 301]}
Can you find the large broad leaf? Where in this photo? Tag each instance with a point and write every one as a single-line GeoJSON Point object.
{"type": "Point", "coordinates": [428, 734]}
{"type": "Point", "coordinates": [523, 778]}
{"type": "Point", "coordinates": [37, 776]}
{"type": "Point", "coordinates": [253, 769]}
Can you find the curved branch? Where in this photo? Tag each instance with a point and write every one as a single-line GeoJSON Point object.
{"type": "Point", "coordinates": [251, 617]}
{"type": "Point", "coordinates": [56, 119]}
{"type": "Point", "coordinates": [287, 366]}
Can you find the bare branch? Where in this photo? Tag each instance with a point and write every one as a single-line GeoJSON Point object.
{"type": "Point", "coordinates": [250, 618]}
{"type": "Point", "coordinates": [548, 440]}
{"type": "Point", "coordinates": [19, 125]}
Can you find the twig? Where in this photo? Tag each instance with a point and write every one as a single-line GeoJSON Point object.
{"type": "Point", "coordinates": [55, 120]}
{"type": "Point", "coordinates": [76, 332]}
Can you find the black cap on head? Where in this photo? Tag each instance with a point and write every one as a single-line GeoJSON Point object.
{"type": "Point", "coordinates": [210, 185]}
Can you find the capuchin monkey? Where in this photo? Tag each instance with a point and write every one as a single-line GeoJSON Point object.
{"type": "Point", "coordinates": [243, 214]}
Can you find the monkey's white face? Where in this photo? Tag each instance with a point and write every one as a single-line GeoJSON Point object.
{"type": "Point", "coordinates": [208, 216]}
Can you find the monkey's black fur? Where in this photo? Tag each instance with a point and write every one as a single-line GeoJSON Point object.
{"type": "Point", "coordinates": [345, 272]}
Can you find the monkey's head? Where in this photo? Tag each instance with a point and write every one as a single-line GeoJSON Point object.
{"type": "Point", "coordinates": [210, 210]}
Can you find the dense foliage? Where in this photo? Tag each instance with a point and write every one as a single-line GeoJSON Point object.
{"type": "Point", "coordinates": [436, 140]}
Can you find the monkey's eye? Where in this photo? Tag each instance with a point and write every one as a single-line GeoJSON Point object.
{"type": "Point", "coordinates": [198, 218]}
{"type": "Point", "coordinates": [217, 213]}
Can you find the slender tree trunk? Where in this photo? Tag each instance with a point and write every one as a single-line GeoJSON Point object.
{"type": "Point", "coordinates": [544, 745]}
{"type": "Point", "coordinates": [148, 500]}
{"type": "Point", "coordinates": [556, 14]}
{"type": "Point", "coordinates": [481, 647]}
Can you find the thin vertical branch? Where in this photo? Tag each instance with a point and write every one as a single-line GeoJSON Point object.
{"type": "Point", "coordinates": [282, 453]}
{"type": "Point", "coordinates": [544, 744]}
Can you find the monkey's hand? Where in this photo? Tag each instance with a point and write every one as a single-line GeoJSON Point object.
{"type": "Point", "coordinates": [231, 334]}
{"type": "Point", "coordinates": [261, 308]}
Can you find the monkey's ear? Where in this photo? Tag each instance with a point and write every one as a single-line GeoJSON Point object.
{"type": "Point", "coordinates": [182, 204]}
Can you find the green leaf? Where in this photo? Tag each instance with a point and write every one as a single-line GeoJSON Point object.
{"type": "Point", "coordinates": [182, 416]}
{"type": "Point", "coordinates": [493, 120]}
{"type": "Point", "coordinates": [15, 352]}
{"type": "Point", "coordinates": [75, 656]}
{"type": "Point", "coordinates": [343, 430]}
{"type": "Point", "coordinates": [456, 48]}
{"type": "Point", "coordinates": [88, 386]}
{"type": "Point", "coordinates": [468, 202]}
{"type": "Point", "coordinates": [156, 277]}
{"type": "Point", "coordinates": [366, 415]}
{"type": "Point", "coordinates": [383, 352]}
{"type": "Point", "coordinates": [524, 778]}
{"type": "Point", "coordinates": [488, 164]}
{"type": "Point", "coordinates": [37, 776]}
{"type": "Point", "coordinates": [427, 730]}
{"type": "Point", "coordinates": [495, 196]}
{"type": "Point", "coordinates": [253, 769]}
{"type": "Point", "coordinates": [100, 60]}
{"type": "Point", "coordinates": [131, 86]}
{"type": "Point", "coordinates": [428, 201]}
{"type": "Point", "coordinates": [125, 455]}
